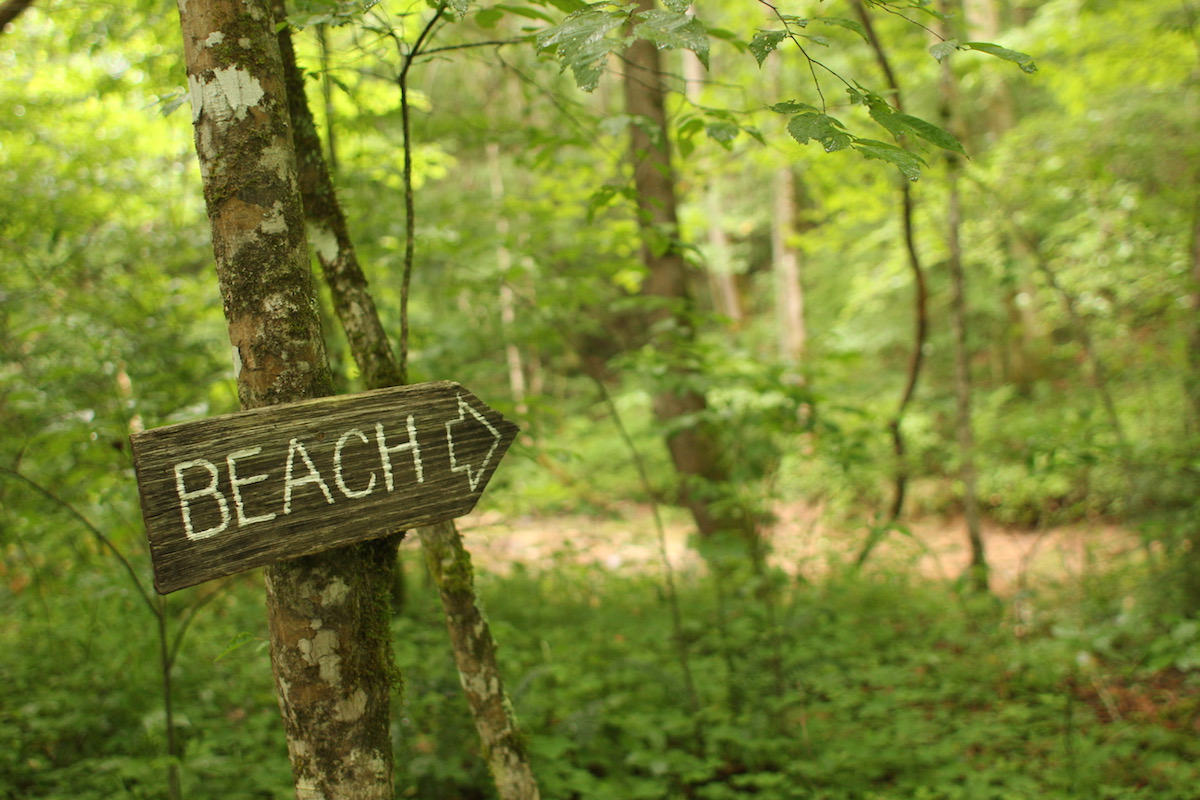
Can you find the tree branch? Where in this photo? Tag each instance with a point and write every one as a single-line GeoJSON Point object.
{"type": "Point", "coordinates": [10, 10]}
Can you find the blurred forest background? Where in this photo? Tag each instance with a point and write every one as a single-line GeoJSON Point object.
{"type": "Point", "coordinates": [1049, 278]}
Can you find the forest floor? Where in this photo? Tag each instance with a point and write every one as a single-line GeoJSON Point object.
{"type": "Point", "coordinates": [803, 541]}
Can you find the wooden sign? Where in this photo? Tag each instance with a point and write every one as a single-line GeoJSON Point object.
{"type": "Point", "coordinates": [228, 493]}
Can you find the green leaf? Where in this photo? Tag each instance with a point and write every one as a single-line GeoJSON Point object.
{"type": "Point", "coordinates": [765, 42]}
{"type": "Point", "coordinates": [792, 107]}
{"type": "Point", "coordinates": [848, 24]}
{"type": "Point", "coordinates": [943, 49]}
{"type": "Point", "coordinates": [237, 642]}
{"type": "Point", "coordinates": [1022, 60]}
{"type": "Point", "coordinates": [603, 198]}
{"type": "Point", "coordinates": [821, 40]}
{"type": "Point", "coordinates": [526, 11]}
{"type": "Point", "coordinates": [825, 129]}
{"type": "Point", "coordinates": [931, 133]}
{"type": "Point", "coordinates": [458, 7]}
{"type": "Point", "coordinates": [723, 132]}
{"type": "Point", "coordinates": [488, 17]}
{"type": "Point", "coordinates": [678, 6]}
{"type": "Point", "coordinates": [884, 114]}
{"type": "Point", "coordinates": [690, 126]}
{"type": "Point", "coordinates": [724, 34]}
{"type": "Point", "coordinates": [685, 133]}
{"type": "Point", "coordinates": [908, 163]}
{"type": "Point", "coordinates": [668, 29]}
{"type": "Point", "coordinates": [581, 42]}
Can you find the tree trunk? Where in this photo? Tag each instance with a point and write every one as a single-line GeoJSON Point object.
{"type": "Point", "coordinates": [10, 10]}
{"type": "Point", "coordinates": [722, 283]}
{"type": "Point", "coordinates": [977, 571]}
{"type": "Point", "coordinates": [478, 668]}
{"type": "Point", "coordinates": [474, 648]}
{"type": "Point", "coordinates": [694, 448]}
{"type": "Point", "coordinates": [327, 619]}
{"type": "Point", "coordinates": [789, 297]}
{"type": "Point", "coordinates": [507, 301]}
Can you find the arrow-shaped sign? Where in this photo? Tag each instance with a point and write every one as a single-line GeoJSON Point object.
{"type": "Point", "coordinates": [473, 475]}
{"type": "Point", "coordinates": [229, 493]}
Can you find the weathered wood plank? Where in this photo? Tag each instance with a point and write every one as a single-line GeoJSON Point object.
{"type": "Point", "coordinates": [229, 493]}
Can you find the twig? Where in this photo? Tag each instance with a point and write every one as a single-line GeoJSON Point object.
{"type": "Point", "coordinates": [99, 534]}
{"type": "Point", "coordinates": [410, 213]}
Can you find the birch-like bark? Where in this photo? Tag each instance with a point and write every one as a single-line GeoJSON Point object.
{"type": "Point", "coordinates": [470, 636]}
{"type": "Point", "coordinates": [789, 291]}
{"type": "Point", "coordinates": [508, 305]}
{"type": "Point", "coordinates": [330, 658]}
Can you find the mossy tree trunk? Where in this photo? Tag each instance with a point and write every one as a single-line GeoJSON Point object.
{"type": "Point", "coordinates": [327, 613]}
{"type": "Point", "coordinates": [470, 636]}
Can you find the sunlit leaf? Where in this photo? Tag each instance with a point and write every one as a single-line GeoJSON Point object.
{"type": "Point", "coordinates": [1022, 60]}
{"type": "Point", "coordinates": [943, 49]}
{"type": "Point", "coordinates": [581, 42]}
{"type": "Point", "coordinates": [848, 24]}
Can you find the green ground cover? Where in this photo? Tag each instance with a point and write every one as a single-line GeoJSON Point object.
{"type": "Point", "coordinates": [857, 686]}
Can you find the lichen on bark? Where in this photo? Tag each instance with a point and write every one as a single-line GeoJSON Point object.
{"type": "Point", "coordinates": [328, 613]}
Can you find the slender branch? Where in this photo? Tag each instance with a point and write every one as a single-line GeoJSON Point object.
{"type": "Point", "coordinates": [187, 620]}
{"type": "Point", "coordinates": [920, 304]}
{"type": "Point", "coordinates": [681, 651]}
{"type": "Point", "coordinates": [449, 563]}
{"type": "Point", "coordinates": [887, 8]}
{"type": "Point", "coordinates": [99, 534]}
{"type": "Point", "coordinates": [410, 213]}
{"type": "Point", "coordinates": [165, 662]}
{"type": "Point", "coordinates": [812, 62]}
{"type": "Point", "coordinates": [639, 464]}
{"type": "Point", "coordinates": [471, 45]}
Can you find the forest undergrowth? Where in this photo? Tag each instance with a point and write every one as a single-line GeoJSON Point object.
{"type": "Point", "coordinates": [815, 681]}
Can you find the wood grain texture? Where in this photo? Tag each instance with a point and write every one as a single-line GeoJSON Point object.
{"type": "Point", "coordinates": [229, 493]}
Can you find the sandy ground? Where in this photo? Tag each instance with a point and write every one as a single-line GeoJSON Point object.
{"type": "Point", "coordinates": [802, 542]}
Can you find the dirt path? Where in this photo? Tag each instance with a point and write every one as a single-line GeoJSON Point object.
{"type": "Point", "coordinates": [802, 542]}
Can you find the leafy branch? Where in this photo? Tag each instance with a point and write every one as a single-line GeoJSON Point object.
{"type": "Point", "coordinates": [766, 42]}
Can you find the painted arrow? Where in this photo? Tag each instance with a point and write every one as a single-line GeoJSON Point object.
{"type": "Point", "coordinates": [225, 494]}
